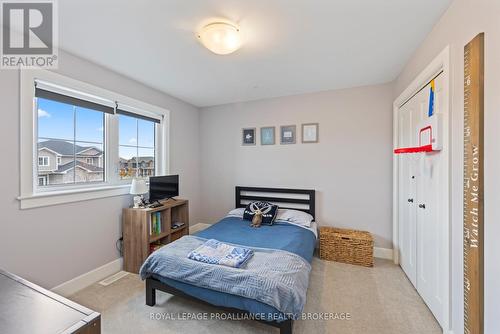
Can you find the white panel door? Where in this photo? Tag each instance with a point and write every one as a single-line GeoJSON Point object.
{"type": "Point", "coordinates": [407, 194]}
{"type": "Point", "coordinates": [420, 231]}
{"type": "Point", "coordinates": [429, 227]}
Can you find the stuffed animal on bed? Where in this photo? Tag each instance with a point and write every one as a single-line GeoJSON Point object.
{"type": "Point", "coordinates": [260, 213]}
{"type": "Point", "coordinates": [257, 219]}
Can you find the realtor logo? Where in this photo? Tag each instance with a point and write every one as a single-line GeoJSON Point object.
{"type": "Point", "coordinates": [29, 38]}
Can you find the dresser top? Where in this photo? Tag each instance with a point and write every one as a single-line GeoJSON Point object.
{"type": "Point", "coordinates": [28, 308]}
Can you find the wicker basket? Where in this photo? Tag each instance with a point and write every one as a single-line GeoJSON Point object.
{"type": "Point", "coordinates": [344, 245]}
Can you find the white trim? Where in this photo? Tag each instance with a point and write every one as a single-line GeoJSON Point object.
{"type": "Point", "coordinates": [29, 191]}
{"type": "Point", "coordinates": [198, 227]}
{"type": "Point", "coordinates": [383, 253]}
{"type": "Point", "coordinates": [440, 63]}
{"type": "Point", "coordinates": [73, 195]}
{"type": "Point", "coordinates": [162, 139]}
{"type": "Point", "coordinates": [81, 282]}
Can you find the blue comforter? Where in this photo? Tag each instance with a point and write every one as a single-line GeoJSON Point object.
{"type": "Point", "coordinates": [281, 236]}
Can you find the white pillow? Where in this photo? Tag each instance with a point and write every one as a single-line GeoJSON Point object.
{"type": "Point", "coordinates": [238, 212]}
{"type": "Point", "coordinates": [295, 216]}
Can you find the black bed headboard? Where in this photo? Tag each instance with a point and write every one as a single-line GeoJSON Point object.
{"type": "Point", "coordinates": [297, 199]}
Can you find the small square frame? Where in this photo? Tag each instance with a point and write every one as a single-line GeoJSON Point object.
{"type": "Point", "coordinates": [316, 138]}
{"type": "Point", "coordinates": [293, 129]}
{"type": "Point", "coordinates": [267, 128]}
{"type": "Point", "coordinates": [244, 131]}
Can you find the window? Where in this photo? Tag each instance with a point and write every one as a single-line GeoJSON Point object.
{"type": "Point", "coordinates": [86, 142]}
{"type": "Point", "coordinates": [43, 161]}
{"type": "Point", "coordinates": [137, 146]}
{"type": "Point", "coordinates": [42, 180]}
{"type": "Point", "coordinates": [72, 130]}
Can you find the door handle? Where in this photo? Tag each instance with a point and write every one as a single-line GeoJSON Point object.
{"type": "Point", "coordinates": [410, 200]}
{"type": "Point", "coordinates": [421, 206]}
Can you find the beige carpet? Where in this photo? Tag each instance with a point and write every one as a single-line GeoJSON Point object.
{"type": "Point", "coordinates": [379, 300]}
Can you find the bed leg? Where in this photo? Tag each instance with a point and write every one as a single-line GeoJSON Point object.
{"type": "Point", "coordinates": [150, 294]}
{"type": "Point", "coordinates": [286, 327]}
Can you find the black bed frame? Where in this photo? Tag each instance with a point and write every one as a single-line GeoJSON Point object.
{"type": "Point", "coordinates": [243, 195]}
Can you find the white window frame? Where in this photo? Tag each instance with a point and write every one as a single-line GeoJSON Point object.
{"type": "Point", "coordinates": [157, 139]}
{"type": "Point", "coordinates": [43, 157]}
{"type": "Point", "coordinates": [58, 160]}
{"type": "Point", "coordinates": [31, 195]}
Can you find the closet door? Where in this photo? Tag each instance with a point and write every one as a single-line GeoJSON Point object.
{"type": "Point", "coordinates": [420, 181]}
{"type": "Point", "coordinates": [407, 193]}
{"type": "Point", "coordinates": [429, 228]}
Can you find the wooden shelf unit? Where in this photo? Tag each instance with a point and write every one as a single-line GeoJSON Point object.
{"type": "Point", "coordinates": [136, 225]}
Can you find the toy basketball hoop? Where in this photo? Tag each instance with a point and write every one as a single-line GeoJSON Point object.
{"type": "Point", "coordinates": [428, 137]}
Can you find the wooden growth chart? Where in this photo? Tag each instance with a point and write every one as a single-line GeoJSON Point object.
{"type": "Point", "coordinates": [473, 185]}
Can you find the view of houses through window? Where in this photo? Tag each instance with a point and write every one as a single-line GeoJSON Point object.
{"type": "Point", "coordinates": [71, 145]}
{"type": "Point", "coordinates": [137, 147]}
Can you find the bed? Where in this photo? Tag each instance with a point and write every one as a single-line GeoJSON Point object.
{"type": "Point", "coordinates": [294, 239]}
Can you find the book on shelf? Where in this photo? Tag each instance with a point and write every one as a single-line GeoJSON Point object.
{"type": "Point", "coordinates": [155, 224]}
{"type": "Point", "coordinates": [158, 222]}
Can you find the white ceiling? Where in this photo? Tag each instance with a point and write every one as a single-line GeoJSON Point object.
{"type": "Point", "coordinates": [291, 47]}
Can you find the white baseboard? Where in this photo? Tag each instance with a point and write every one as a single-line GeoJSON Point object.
{"type": "Point", "coordinates": [198, 227]}
{"type": "Point", "coordinates": [78, 283]}
{"type": "Point", "coordinates": [383, 253]}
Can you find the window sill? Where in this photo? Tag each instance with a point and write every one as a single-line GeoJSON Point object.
{"type": "Point", "coordinates": [69, 196]}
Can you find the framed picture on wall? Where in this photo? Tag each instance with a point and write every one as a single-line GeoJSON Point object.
{"type": "Point", "coordinates": [267, 135]}
{"type": "Point", "coordinates": [248, 136]}
{"type": "Point", "coordinates": [310, 133]}
{"type": "Point", "coordinates": [287, 134]}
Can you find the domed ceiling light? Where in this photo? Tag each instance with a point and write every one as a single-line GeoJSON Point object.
{"type": "Point", "coordinates": [220, 37]}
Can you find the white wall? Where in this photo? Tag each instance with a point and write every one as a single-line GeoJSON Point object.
{"type": "Point", "coordinates": [350, 167]}
{"type": "Point", "coordinates": [54, 244]}
{"type": "Point", "coordinates": [464, 20]}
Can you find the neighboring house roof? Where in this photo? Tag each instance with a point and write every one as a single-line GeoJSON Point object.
{"type": "Point", "coordinates": [48, 150]}
{"type": "Point", "coordinates": [90, 168]}
{"type": "Point", "coordinates": [141, 159]}
{"type": "Point", "coordinates": [84, 152]}
{"type": "Point", "coordinates": [66, 148]}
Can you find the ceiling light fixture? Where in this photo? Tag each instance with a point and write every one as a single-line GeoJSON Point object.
{"type": "Point", "coordinates": [220, 37]}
